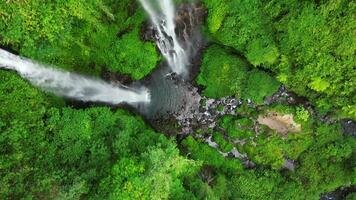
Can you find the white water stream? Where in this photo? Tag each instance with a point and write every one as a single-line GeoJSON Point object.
{"type": "Point", "coordinates": [71, 85]}
{"type": "Point", "coordinates": [162, 15]}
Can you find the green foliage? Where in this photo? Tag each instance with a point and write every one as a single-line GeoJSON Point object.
{"type": "Point", "coordinates": [302, 114]}
{"type": "Point", "coordinates": [221, 188]}
{"type": "Point", "coordinates": [351, 196]}
{"type": "Point", "coordinates": [267, 152]}
{"type": "Point", "coordinates": [133, 56]}
{"type": "Point", "coordinates": [309, 45]}
{"type": "Point", "coordinates": [314, 149]}
{"type": "Point", "coordinates": [225, 74]}
{"type": "Point", "coordinates": [224, 145]}
{"type": "Point", "coordinates": [63, 153]}
{"type": "Point", "coordinates": [49, 151]}
{"type": "Point", "coordinates": [246, 110]}
{"type": "Point", "coordinates": [20, 101]}
{"type": "Point", "coordinates": [21, 133]}
{"type": "Point", "coordinates": [222, 73]}
{"type": "Point", "coordinates": [259, 85]}
{"type": "Point", "coordinates": [321, 58]}
{"type": "Point", "coordinates": [321, 176]}
{"type": "Point", "coordinates": [255, 185]}
{"type": "Point", "coordinates": [210, 156]}
{"type": "Point", "coordinates": [81, 36]}
{"type": "Point", "coordinates": [241, 25]}
{"type": "Point", "coordinates": [159, 179]}
{"type": "Point", "coordinates": [237, 128]}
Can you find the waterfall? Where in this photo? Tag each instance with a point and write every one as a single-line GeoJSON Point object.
{"type": "Point", "coordinates": [71, 85]}
{"type": "Point", "coordinates": [162, 15]}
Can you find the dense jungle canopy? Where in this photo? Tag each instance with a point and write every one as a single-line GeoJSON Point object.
{"type": "Point", "coordinates": [51, 149]}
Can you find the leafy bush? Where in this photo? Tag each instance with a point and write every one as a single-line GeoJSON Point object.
{"type": "Point", "coordinates": [133, 56]}
{"type": "Point", "coordinates": [241, 25]}
{"type": "Point", "coordinates": [210, 157]}
{"type": "Point", "coordinates": [224, 145]}
{"type": "Point", "coordinates": [225, 74]}
{"type": "Point", "coordinates": [237, 128]}
{"type": "Point", "coordinates": [222, 73]}
{"type": "Point", "coordinates": [259, 85]}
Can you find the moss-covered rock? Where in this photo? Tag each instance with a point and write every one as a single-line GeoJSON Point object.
{"type": "Point", "coordinates": [222, 73]}
{"type": "Point", "coordinates": [259, 85]}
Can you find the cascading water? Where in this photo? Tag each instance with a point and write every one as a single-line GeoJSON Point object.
{"type": "Point", "coordinates": [163, 18]}
{"type": "Point", "coordinates": [177, 36]}
{"type": "Point", "coordinates": [176, 33]}
{"type": "Point", "coordinates": [71, 85]}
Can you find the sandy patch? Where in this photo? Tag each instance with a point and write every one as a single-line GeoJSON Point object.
{"type": "Point", "coordinates": [281, 123]}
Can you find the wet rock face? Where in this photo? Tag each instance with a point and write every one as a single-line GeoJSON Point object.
{"type": "Point", "coordinates": [285, 96]}
{"type": "Point", "coordinates": [9, 48]}
{"type": "Point", "coordinates": [174, 101]}
{"type": "Point", "coordinates": [339, 194]}
{"type": "Point", "coordinates": [289, 164]}
{"type": "Point", "coordinates": [173, 98]}
{"type": "Point", "coordinates": [148, 32]}
{"type": "Point", "coordinates": [206, 118]}
{"type": "Point", "coordinates": [349, 127]}
{"type": "Point", "coordinates": [177, 109]}
{"type": "Point", "coordinates": [116, 78]}
{"type": "Point", "coordinates": [188, 19]}
{"type": "Point", "coordinates": [207, 115]}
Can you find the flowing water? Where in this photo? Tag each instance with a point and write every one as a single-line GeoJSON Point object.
{"type": "Point", "coordinates": [175, 31]}
{"type": "Point", "coordinates": [170, 95]}
{"type": "Point", "coordinates": [165, 93]}
{"type": "Point", "coordinates": [162, 14]}
{"type": "Point", "coordinates": [71, 85]}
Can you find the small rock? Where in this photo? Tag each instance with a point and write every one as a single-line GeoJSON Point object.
{"type": "Point", "coordinates": [349, 127]}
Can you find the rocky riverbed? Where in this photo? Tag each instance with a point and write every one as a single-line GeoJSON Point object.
{"type": "Point", "coordinates": [177, 108]}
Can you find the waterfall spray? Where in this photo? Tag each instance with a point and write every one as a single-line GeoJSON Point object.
{"type": "Point", "coordinates": [71, 85]}
{"type": "Point", "coordinates": [166, 38]}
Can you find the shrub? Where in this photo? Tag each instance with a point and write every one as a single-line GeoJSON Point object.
{"type": "Point", "coordinates": [222, 73]}
{"type": "Point", "coordinates": [259, 85]}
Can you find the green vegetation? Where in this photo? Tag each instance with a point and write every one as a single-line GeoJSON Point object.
{"type": "Point", "coordinates": [224, 145]}
{"type": "Point", "coordinates": [323, 156]}
{"type": "Point", "coordinates": [67, 153]}
{"type": "Point", "coordinates": [224, 73]}
{"type": "Point", "coordinates": [351, 196]}
{"type": "Point", "coordinates": [50, 150]}
{"type": "Point", "coordinates": [81, 36]}
{"type": "Point", "coordinates": [259, 85]}
{"type": "Point", "coordinates": [309, 45]}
